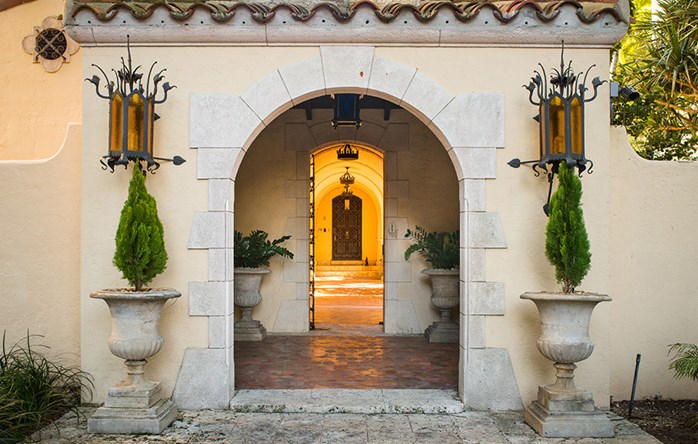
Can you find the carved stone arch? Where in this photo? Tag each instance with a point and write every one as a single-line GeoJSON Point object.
{"type": "Point", "coordinates": [470, 126]}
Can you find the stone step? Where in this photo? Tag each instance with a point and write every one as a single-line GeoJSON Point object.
{"type": "Point", "coordinates": [365, 271]}
{"type": "Point", "coordinates": [373, 401]}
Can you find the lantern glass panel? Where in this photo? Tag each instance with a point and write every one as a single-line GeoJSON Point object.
{"type": "Point", "coordinates": [557, 126]}
{"type": "Point", "coordinates": [577, 126]}
{"type": "Point", "coordinates": [116, 112]}
{"type": "Point", "coordinates": [136, 130]}
{"type": "Point", "coordinates": [544, 139]}
{"type": "Point", "coordinates": [149, 124]}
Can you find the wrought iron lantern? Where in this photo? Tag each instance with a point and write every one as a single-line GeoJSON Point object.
{"type": "Point", "coordinates": [347, 110]}
{"type": "Point", "coordinates": [560, 102]}
{"type": "Point", "coordinates": [132, 114]}
{"type": "Point", "coordinates": [347, 180]}
{"type": "Point", "coordinates": [347, 152]}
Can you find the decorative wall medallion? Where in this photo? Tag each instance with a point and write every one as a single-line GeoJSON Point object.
{"type": "Point", "coordinates": [50, 45]}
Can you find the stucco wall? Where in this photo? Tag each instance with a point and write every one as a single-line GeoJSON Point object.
{"type": "Point", "coordinates": [40, 259]}
{"type": "Point", "coordinates": [654, 248]}
{"type": "Point", "coordinates": [35, 106]}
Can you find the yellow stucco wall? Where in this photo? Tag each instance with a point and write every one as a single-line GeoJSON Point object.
{"type": "Point", "coordinates": [35, 106]}
{"type": "Point", "coordinates": [40, 259]}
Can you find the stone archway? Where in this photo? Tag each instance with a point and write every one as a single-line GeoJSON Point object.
{"type": "Point", "coordinates": [470, 127]}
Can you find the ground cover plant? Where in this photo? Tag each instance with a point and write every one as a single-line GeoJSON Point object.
{"type": "Point", "coordinates": [441, 249]}
{"type": "Point", "coordinates": [34, 390]}
{"type": "Point", "coordinates": [255, 250]}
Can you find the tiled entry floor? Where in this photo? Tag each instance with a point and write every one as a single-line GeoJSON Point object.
{"type": "Point", "coordinates": [348, 350]}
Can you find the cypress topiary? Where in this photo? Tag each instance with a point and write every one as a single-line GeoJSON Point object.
{"type": "Point", "coordinates": [567, 241]}
{"type": "Point", "coordinates": [140, 246]}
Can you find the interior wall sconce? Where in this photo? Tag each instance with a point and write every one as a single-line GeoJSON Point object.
{"type": "Point", "coordinates": [132, 114]}
{"type": "Point", "coordinates": [347, 152]}
{"type": "Point", "coordinates": [347, 110]}
{"type": "Point", "coordinates": [560, 102]}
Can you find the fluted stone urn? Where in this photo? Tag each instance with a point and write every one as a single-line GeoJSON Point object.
{"type": "Point", "coordinates": [445, 295]}
{"type": "Point", "coordinates": [134, 405]}
{"type": "Point", "coordinates": [563, 410]}
{"type": "Point", "coordinates": [247, 296]}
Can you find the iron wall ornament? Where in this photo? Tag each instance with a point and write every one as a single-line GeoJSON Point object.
{"type": "Point", "coordinates": [347, 152]}
{"type": "Point", "coordinates": [50, 45]}
{"type": "Point", "coordinates": [131, 114]}
{"type": "Point", "coordinates": [560, 101]}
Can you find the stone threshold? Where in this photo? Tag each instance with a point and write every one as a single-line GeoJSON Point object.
{"type": "Point", "coordinates": [369, 401]}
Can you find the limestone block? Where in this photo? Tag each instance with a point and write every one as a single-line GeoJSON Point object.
{"type": "Point", "coordinates": [474, 193]}
{"type": "Point", "coordinates": [397, 189]}
{"type": "Point", "coordinates": [132, 421]}
{"type": "Point", "coordinates": [490, 383]}
{"type": "Point", "coordinates": [476, 264]}
{"type": "Point", "coordinates": [216, 331]}
{"type": "Point", "coordinates": [391, 210]}
{"type": "Point", "coordinates": [216, 163]}
{"type": "Point", "coordinates": [473, 120]}
{"type": "Point", "coordinates": [295, 272]}
{"type": "Point", "coordinates": [485, 230]}
{"type": "Point", "coordinates": [347, 67]}
{"type": "Point", "coordinates": [401, 317]}
{"type": "Point", "coordinates": [390, 171]}
{"type": "Point", "coordinates": [297, 189]}
{"type": "Point", "coordinates": [209, 230]}
{"type": "Point", "coordinates": [398, 271]}
{"type": "Point", "coordinates": [297, 228]}
{"type": "Point", "coordinates": [292, 317]}
{"type": "Point", "coordinates": [204, 380]}
{"type": "Point", "coordinates": [324, 133]}
{"type": "Point", "coordinates": [486, 298]}
{"type": "Point", "coordinates": [268, 97]}
{"type": "Point", "coordinates": [303, 291]}
{"type": "Point", "coordinates": [369, 132]}
{"type": "Point", "coordinates": [424, 97]}
{"type": "Point", "coordinates": [389, 80]}
{"type": "Point", "coordinates": [304, 79]}
{"type": "Point", "coordinates": [208, 299]}
{"type": "Point", "coordinates": [302, 165]}
{"type": "Point", "coordinates": [301, 252]}
{"type": "Point", "coordinates": [220, 191]}
{"type": "Point", "coordinates": [390, 291]}
{"type": "Point", "coordinates": [474, 163]}
{"type": "Point", "coordinates": [298, 138]}
{"type": "Point", "coordinates": [220, 121]}
{"type": "Point", "coordinates": [302, 209]}
{"type": "Point", "coordinates": [476, 332]}
{"type": "Point", "coordinates": [220, 264]}
{"type": "Point", "coordinates": [396, 138]}
{"type": "Point", "coordinates": [391, 251]}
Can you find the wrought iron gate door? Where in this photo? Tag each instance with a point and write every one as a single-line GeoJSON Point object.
{"type": "Point", "coordinates": [346, 228]}
{"type": "Point", "coordinates": [311, 244]}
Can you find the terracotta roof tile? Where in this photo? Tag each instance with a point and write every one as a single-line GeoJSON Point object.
{"type": "Point", "coordinates": [505, 11]}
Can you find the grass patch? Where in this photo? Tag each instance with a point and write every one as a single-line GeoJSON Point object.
{"type": "Point", "coordinates": [34, 391]}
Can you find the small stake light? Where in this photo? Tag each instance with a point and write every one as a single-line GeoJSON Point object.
{"type": "Point", "coordinates": [132, 114]}
{"type": "Point", "coordinates": [560, 101]}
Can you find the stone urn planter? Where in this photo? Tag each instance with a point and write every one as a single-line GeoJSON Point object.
{"type": "Point", "coordinates": [247, 296]}
{"type": "Point", "coordinates": [445, 295]}
{"type": "Point", "coordinates": [562, 410]}
{"type": "Point", "coordinates": [135, 405]}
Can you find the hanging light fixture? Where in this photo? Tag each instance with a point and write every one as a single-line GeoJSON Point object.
{"type": "Point", "coordinates": [347, 152]}
{"type": "Point", "coordinates": [346, 110]}
{"type": "Point", "coordinates": [560, 101]}
{"type": "Point", "coordinates": [347, 180]}
{"type": "Point", "coordinates": [131, 115]}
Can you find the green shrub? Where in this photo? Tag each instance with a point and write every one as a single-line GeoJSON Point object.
{"type": "Point", "coordinates": [566, 241]}
{"type": "Point", "coordinates": [140, 246]}
{"type": "Point", "coordinates": [685, 360]}
{"type": "Point", "coordinates": [440, 249]}
{"type": "Point", "coordinates": [255, 250]}
{"type": "Point", "coordinates": [35, 390]}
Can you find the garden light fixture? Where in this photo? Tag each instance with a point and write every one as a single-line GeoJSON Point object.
{"type": "Point", "coordinates": [561, 102]}
{"type": "Point", "coordinates": [131, 115]}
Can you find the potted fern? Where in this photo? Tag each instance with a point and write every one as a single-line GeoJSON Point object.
{"type": "Point", "coordinates": [442, 251]}
{"type": "Point", "coordinates": [136, 405]}
{"type": "Point", "coordinates": [562, 409]}
{"type": "Point", "coordinates": [252, 255]}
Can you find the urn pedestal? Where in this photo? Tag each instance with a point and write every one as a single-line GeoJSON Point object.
{"type": "Point", "coordinates": [247, 296]}
{"type": "Point", "coordinates": [135, 405]}
{"type": "Point", "coordinates": [445, 295]}
{"type": "Point", "coordinates": [562, 410]}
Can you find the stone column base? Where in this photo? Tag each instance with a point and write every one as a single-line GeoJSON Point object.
{"type": "Point", "coordinates": [442, 331]}
{"type": "Point", "coordinates": [249, 330]}
{"type": "Point", "coordinates": [133, 409]}
{"type": "Point", "coordinates": [594, 424]}
{"type": "Point", "coordinates": [132, 421]}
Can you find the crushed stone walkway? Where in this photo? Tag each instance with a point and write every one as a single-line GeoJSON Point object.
{"type": "Point", "coordinates": [209, 426]}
